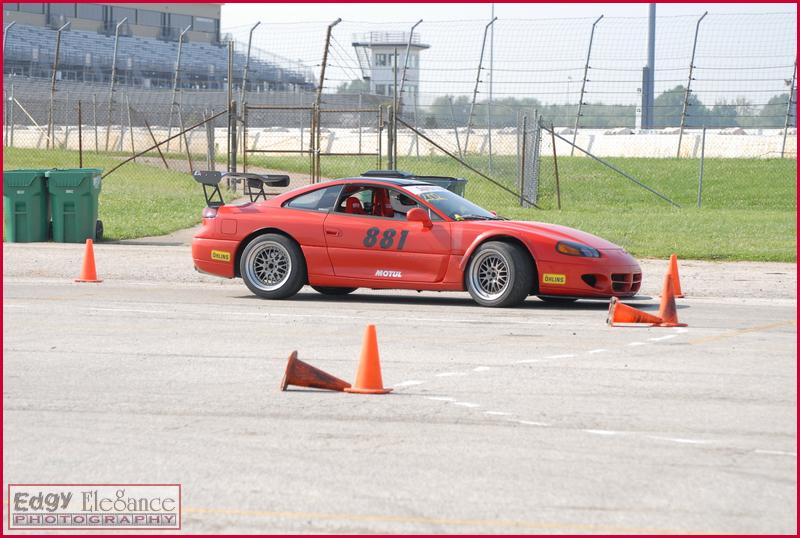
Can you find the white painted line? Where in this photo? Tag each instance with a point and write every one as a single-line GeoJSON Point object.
{"type": "Point", "coordinates": [13, 306]}
{"type": "Point", "coordinates": [596, 351]}
{"type": "Point", "coordinates": [637, 344]}
{"type": "Point", "coordinates": [530, 423]}
{"type": "Point", "coordinates": [450, 374]}
{"type": "Point", "coordinates": [601, 432]}
{"type": "Point", "coordinates": [680, 440]}
{"type": "Point", "coordinates": [504, 321]}
{"type": "Point", "coordinates": [566, 356]}
{"type": "Point", "coordinates": [660, 338]}
{"type": "Point", "coordinates": [776, 453]}
{"type": "Point", "coordinates": [441, 398]}
{"type": "Point", "coordinates": [681, 330]}
{"type": "Point", "coordinates": [498, 413]}
{"type": "Point", "coordinates": [467, 404]}
{"type": "Point", "coordinates": [528, 361]}
{"type": "Point", "coordinates": [409, 383]}
{"type": "Point", "coordinates": [133, 310]}
{"type": "Point", "coordinates": [481, 369]}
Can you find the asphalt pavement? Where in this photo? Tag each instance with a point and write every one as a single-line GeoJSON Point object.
{"type": "Point", "coordinates": [537, 419]}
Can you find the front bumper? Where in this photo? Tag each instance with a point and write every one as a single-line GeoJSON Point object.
{"type": "Point", "coordinates": [615, 274]}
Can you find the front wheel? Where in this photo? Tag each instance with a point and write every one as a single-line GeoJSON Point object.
{"type": "Point", "coordinates": [326, 290]}
{"type": "Point", "coordinates": [272, 266]}
{"type": "Point", "coordinates": [499, 275]}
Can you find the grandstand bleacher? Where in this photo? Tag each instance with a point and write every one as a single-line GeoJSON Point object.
{"type": "Point", "coordinates": [142, 62]}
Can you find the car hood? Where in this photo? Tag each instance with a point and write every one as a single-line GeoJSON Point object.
{"type": "Point", "coordinates": [545, 230]}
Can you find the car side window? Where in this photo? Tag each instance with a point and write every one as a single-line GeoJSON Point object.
{"type": "Point", "coordinates": [317, 200]}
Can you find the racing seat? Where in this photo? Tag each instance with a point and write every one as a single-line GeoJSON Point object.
{"type": "Point", "coordinates": [381, 205]}
{"type": "Point", "coordinates": [353, 206]}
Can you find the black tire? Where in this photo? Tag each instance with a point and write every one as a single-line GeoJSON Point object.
{"type": "Point", "coordinates": [499, 275]}
{"type": "Point", "coordinates": [98, 230]}
{"type": "Point", "coordinates": [326, 290]}
{"type": "Point", "coordinates": [273, 267]}
{"type": "Point", "coordinates": [557, 300]}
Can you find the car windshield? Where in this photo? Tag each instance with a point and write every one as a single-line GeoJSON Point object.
{"type": "Point", "coordinates": [451, 204]}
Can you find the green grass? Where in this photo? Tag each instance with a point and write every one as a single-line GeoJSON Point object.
{"type": "Point", "coordinates": [135, 201]}
{"type": "Point", "coordinates": [748, 213]}
{"type": "Point", "coordinates": [749, 205]}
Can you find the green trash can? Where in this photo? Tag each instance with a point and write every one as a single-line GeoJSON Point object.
{"type": "Point", "coordinates": [25, 206]}
{"type": "Point", "coordinates": [74, 197]}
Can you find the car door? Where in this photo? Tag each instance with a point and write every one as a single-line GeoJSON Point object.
{"type": "Point", "coordinates": [365, 244]}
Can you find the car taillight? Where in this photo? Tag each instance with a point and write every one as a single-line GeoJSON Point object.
{"type": "Point", "coordinates": [209, 212]}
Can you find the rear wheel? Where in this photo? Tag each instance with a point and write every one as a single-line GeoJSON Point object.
{"type": "Point", "coordinates": [272, 266]}
{"type": "Point", "coordinates": [499, 275]}
{"type": "Point", "coordinates": [326, 290]}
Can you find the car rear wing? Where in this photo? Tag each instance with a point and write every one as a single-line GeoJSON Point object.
{"type": "Point", "coordinates": [253, 184]}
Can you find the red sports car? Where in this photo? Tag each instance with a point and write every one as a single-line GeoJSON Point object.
{"type": "Point", "coordinates": [399, 233]}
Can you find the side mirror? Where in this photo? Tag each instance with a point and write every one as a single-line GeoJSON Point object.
{"type": "Point", "coordinates": [421, 216]}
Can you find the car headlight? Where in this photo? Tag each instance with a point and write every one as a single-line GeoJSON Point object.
{"type": "Point", "coordinates": [576, 249]}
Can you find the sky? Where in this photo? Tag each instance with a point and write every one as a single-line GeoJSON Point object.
{"type": "Point", "coordinates": [243, 14]}
{"type": "Point", "coordinates": [540, 49]}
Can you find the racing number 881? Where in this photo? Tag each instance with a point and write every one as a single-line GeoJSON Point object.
{"type": "Point", "coordinates": [386, 240]}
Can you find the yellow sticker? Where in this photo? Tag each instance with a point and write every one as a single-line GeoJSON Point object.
{"type": "Point", "coordinates": [549, 278]}
{"type": "Point", "coordinates": [220, 255]}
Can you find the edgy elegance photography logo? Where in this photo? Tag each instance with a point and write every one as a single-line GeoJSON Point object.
{"type": "Point", "coordinates": [94, 506]}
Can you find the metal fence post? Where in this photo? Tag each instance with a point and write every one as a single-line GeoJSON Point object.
{"type": "Point", "coordinates": [130, 125]}
{"type": "Point", "coordinates": [232, 137]}
{"type": "Point", "coordinates": [94, 120]}
{"type": "Point", "coordinates": [475, 89]}
{"type": "Point", "coordinates": [522, 160]}
{"type": "Point", "coordinates": [390, 141]}
{"type": "Point", "coordinates": [247, 63]}
{"type": "Point", "coordinates": [583, 85]}
{"type": "Point", "coordinates": [50, 127]}
{"type": "Point", "coordinates": [175, 82]}
{"type": "Point", "coordinates": [455, 127]}
{"type": "Point", "coordinates": [80, 136]}
{"type": "Point", "coordinates": [12, 105]}
{"type": "Point", "coordinates": [789, 108]}
{"type": "Point", "coordinates": [5, 35]}
{"type": "Point", "coordinates": [113, 78]}
{"type": "Point", "coordinates": [702, 166]}
{"type": "Point", "coordinates": [405, 66]}
{"type": "Point", "coordinates": [555, 165]}
{"type": "Point", "coordinates": [688, 85]}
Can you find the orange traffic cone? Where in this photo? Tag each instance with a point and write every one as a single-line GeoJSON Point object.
{"type": "Point", "coordinates": [88, 272]}
{"type": "Point", "coordinates": [668, 312]}
{"type": "Point", "coordinates": [302, 374]}
{"type": "Point", "coordinates": [620, 314]}
{"type": "Point", "coordinates": [676, 279]}
{"type": "Point", "coordinates": [368, 376]}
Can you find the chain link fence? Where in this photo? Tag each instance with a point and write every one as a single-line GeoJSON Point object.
{"type": "Point", "coordinates": [535, 113]}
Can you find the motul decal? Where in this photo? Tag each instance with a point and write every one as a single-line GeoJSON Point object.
{"type": "Point", "coordinates": [390, 274]}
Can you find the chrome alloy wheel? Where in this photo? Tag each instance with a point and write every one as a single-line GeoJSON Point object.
{"type": "Point", "coordinates": [268, 266]}
{"type": "Point", "coordinates": [489, 275]}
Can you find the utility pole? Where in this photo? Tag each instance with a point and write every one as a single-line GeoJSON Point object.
{"type": "Point", "coordinates": [491, 89]}
{"type": "Point", "coordinates": [648, 82]}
